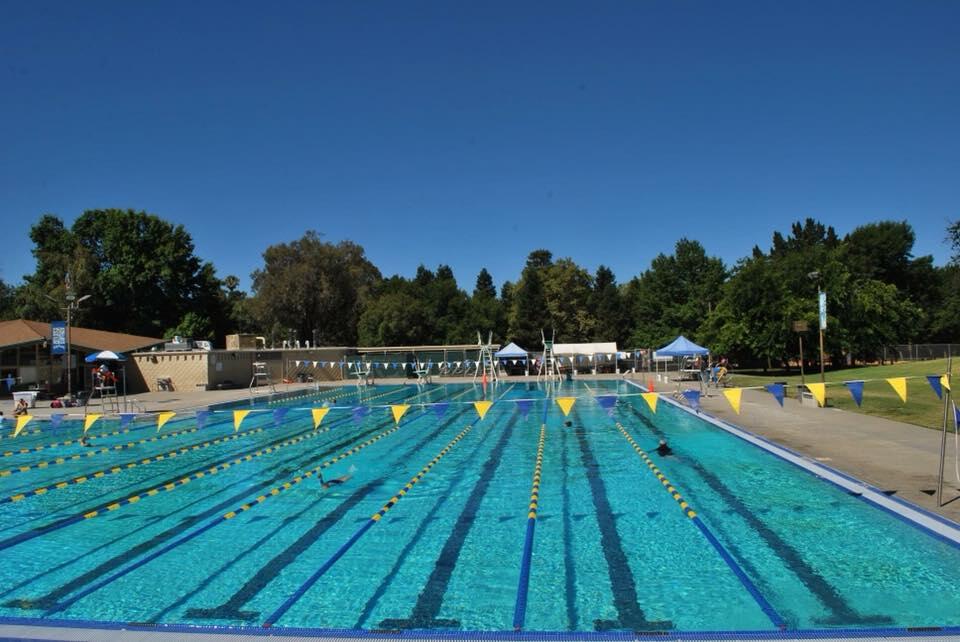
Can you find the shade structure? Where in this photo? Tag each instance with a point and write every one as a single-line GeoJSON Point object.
{"type": "Point", "coordinates": [681, 347]}
{"type": "Point", "coordinates": [104, 355]}
{"type": "Point", "coordinates": [511, 350]}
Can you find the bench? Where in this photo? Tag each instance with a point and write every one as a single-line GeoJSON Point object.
{"type": "Point", "coordinates": [165, 384]}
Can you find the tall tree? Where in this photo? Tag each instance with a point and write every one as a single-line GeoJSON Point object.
{"type": "Point", "coordinates": [606, 306]}
{"type": "Point", "coordinates": [312, 290]}
{"type": "Point", "coordinates": [528, 313]}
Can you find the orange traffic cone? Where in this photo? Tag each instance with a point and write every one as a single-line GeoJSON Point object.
{"type": "Point", "coordinates": [650, 385]}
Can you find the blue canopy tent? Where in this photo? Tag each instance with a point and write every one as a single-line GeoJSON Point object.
{"type": "Point", "coordinates": [684, 347]}
{"type": "Point", "coordinates": [514, 352]}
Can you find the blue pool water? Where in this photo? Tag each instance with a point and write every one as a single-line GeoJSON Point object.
{"type": "Point", "coordinates": [611, 548]}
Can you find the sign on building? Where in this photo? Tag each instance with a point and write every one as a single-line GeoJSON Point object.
{"type": "Point", "coordinates": [58, 332]}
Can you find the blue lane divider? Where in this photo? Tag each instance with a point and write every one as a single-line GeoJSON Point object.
{"type": "Point", "coordinates": [520, 608]}
{"type": "Point", "coordinates": [290, 601]}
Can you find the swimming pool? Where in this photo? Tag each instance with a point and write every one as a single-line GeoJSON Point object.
{"type": "Point", "coordinates": [446, 522]}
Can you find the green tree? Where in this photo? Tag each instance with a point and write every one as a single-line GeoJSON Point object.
{"type": "Point", "coordinates": [313, 290]}
{"type": "Point", "coordinates": [528, 312]}
{"type": "Point", "coordinates": [396, 318]}
{"type": "Point", "coordinates": [485, 313]}
{"type": "Point", "coordinates": [567, 289]}
{"type": "Point", "coordinates": [7, 295]}
{"type": "Point", "coordinates": [606, 306]}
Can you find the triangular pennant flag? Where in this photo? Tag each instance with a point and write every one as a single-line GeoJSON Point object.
{"type": "Point", "coordinates": [163, 418]}
{"type": "Point", "coordinates": [296, 363]}
{"type": "Point", "coordinates": [318, 415]}
{"type": "Point", "coordinates": [440, 409]}
{"type": "Point", "coordinates": [692, 397]}
{"type": "Point", "coordinates": [398, 410]}
{"type": "Point", "coordinates": [359, 412]}
{"type": "Point", "coordinates": [899, 384]}
{"type": "Point", "coordinates": [856, 391]}
{"type": "Point", "coordinates": [524, 405]}
{"type": "Point", "coordinates": [56, 419]}
{"type": "Point", "coordinates": [88, 421]}
{"type": "Point", "coordinates": [607, 402]}
{"type": "Point", "coordinates": [934, 381]}
{"type": "Point", "coordinates": [316, 363]}
{"type": "Point", "coordinates": [777, 390]}
{"type": "Point", "coordinates": [566, 403]}
{"type": "Point", "coordinates": [278, 415]}
{"type": "Point", "coordinates": [819, 392]}
{"type": "Point", "coordinates": [202, 416]}
{"type": "Point", "coordinates": [733, 395]}
{"type": "Point", "coordinates": [651, 399]}
{"type": "Point", "coordinates": [22, 421]}
{"type": "Point", "coordinates": [956, 416]}
{"type": "Point", "coordinates": [482, 407]}
{"type": "Point", "coordinates": [238, 417]}
{"type": "Point", "coordinates": [945, 381]}
{"type": "Point", "coordinates": [126, 418]}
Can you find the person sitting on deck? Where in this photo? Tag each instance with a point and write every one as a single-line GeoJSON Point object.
{"type": "Point", "coordinates": [21, 407]}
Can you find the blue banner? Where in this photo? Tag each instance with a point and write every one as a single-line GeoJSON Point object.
{"type": "Point", "coordinates": [58, 335]}
{"type": "Point", "coordinates": [934, 381]}
{"type": "Point", "coordinates": [822, 300]}
{"type": "Point", "coordinates": [777, 390]}
{"type": "Point", "coordinates": [693, 398]}
{"type": "Point", "coordinates": [856, 390]}
{"type": "Point", "coordinates": [126, 418]}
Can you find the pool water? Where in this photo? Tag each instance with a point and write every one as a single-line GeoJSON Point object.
{"type": "Point", "coordinates": [610, 549]}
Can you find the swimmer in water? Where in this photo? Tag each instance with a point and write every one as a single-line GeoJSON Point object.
{"type": "Point", "coordinates": [663, 449]}
{"type": "Point", "coordinates": [336, 481]}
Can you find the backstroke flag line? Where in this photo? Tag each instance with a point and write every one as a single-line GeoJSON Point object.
{"type": "Point", "coordinates": [163, 418]}
{"type": "Point", "coordinates": [934, 381]}
{"type": "Point", "coordinates": [734, 395]}
{"type": "Point", "coordinates": [88, 421]}
{"type": "Point", "coordinates": [482, 408]}
{"type": "Point", "coordinates": [693, 398]}
{"type": "Point", "coordinates": [566, 403]}
{"type": "Point", "coordinates": [22, 421]}
{"type": "Point", "coordinates": [398, 410]}
{"type": "Point", "coordinates": [899, 384]}
{"type": "Point", "coordinates": [318, 415]}
{"type": "Point", "coordinates": [819, 392]}
{"type": "Point", "coordinates": [651, 399]}
{"type": "Point", "coordinates": [238, 417]}
{"type": "Point", "coordinates": [777, 390]}
{"type": "Point", "coordinates": [856, 391]}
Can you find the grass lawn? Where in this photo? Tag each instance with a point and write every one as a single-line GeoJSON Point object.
{"type": "Point", "coordinates": [879, 399]}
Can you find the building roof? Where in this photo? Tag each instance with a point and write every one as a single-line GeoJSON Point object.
{"type": "Point", "coordinates": [21, 332]}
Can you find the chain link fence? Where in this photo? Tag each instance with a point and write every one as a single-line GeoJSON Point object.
{"type": "Point", "coordinates": [920, 351]}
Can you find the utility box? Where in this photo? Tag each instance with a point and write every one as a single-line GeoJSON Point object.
{"type": "Point", "coordinates": [244, 342]}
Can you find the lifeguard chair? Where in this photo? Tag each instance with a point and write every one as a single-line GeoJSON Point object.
{"type": "Point", "coordinates": [363, 372]}
{"type": "Point", "coordinates": [549, 369]}
{"type": "Point", "coordinates": [486, 365]}
{"type": "Point", "coordinates": [261, 376]}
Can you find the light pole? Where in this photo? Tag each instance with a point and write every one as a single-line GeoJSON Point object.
{"type": "Point", "coordinates": [73, 303]}
{"type": "Point", "coordinates": [822, 305]}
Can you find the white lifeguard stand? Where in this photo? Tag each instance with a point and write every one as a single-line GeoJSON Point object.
{"type": "Point", "coordinates": [106, 390]}
{"type": "Point", "coordinates": [486, 363]}
{"type": "Point", "coordinates": [261, 376]}
{"type": "Point", "coordinates": [549, 370]}
{"type": "Point", "coordinates": [363, 372]}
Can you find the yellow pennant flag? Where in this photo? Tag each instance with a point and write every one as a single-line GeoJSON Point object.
{"type": "Point", "coordinates": [22, 421]}
{"type": "Point", "coordinates": [318, 415]}
{"type": "Point", "coordinates": [566, 403]}
{"type": "Point", "coordinates": [945, 381]}
{"type": "Point", "coordinates": [734, 395]}
{"type": "Point", "coordinates": [88, 421]}
{"type": "Point", "coordinates": [163, 418]}
{"type": "Point", "coordinates": [900, 385]}
{"type": "Point", "coordinates": [399, 409]}
{"type": "Point", "coordinates": [238, 417]}
{"type": "Point", "coordinates": [819, 392]}
{"type": "Point", "coordinates": [651, 399]}
{"type": "Point", "coordinates": [482, 407]}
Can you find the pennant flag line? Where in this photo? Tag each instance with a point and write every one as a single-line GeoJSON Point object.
{"type": "Point", "coordinates": [163, 418]}
{"type": "Point", "coordinates": [819, 392]}
{"type": "Point", "coordinates": [734, 396]}
{"type": "Point", "coordinates": [899, 384]}
{"type": "Point", "coordinates": [777, 390]}
{"type": "Point", "coordinates": [88, 421]}
{"type": "Point", "coordinates": [856, 391]}
{"type": "Point", "coordinates": [238, 417]}
{"type": "Point", "coordinates": [566, 403]}
{"type": "Point", "coordinates": [318, 415]}
{"type": "Point", "coordinates": [524, 405]}
{"type": "Point", "coordinates": [934, 381]}
{"type": "Point", "coordinates": [22, 421]}
{"type": "Point", "coordinates": [398, 410]}
{"type": "Point", "coordinates": [651, 399]}
{"type": "Point", "coordinates": [945, 381]}
{"type": "Point", "coordinates": [440, 409]}
{"type": "Point", "coordinates": [692, 397]}
{"type": "Point", "coordinates": [482, 408]}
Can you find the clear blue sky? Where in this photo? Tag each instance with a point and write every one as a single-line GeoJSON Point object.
{"type": "Point", "coordinates": [472, 133]}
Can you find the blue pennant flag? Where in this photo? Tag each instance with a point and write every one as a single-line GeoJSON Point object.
{"type": "Point", "coordinates": [935, 384]}
{"type": "Point", "coordinates": [606, 401]}
{"type": "Point", "coordinates": [856, 390]}
{"type": "Point", "coordinates": [56, 419]}
{"type": "Point", "coordinates": [278, 415]}
{"type": "Point", "coordinates": [692, 397]}
{"type": "Point", "coordinates": [359, 412]}
{"type": "Point", "coordinates": [202, 416]}
{"type": "Point", "coordinates": [524, 405]}
{"type": "Point", "coordinates": [777, 390]}
{"type": "Point", "coordinates": [126, 418]}
{"type": "Point", "coordinates": [440, 409]}
{"type": "Point", "coordinates": [956, 416]}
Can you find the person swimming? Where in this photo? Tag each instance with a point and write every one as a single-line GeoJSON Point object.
{"type": "Point", "coordinates": [663, 449]}
{"type": "Point", "coordinates": [336, 481]}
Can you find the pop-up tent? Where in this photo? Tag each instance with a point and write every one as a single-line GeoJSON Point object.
{"type": "Point", "coordinates": [513, 353]}
{"type": "Point", "coordinates": [683, 347]}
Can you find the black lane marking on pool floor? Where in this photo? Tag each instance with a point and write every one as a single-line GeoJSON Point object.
{"type": "Point", "coordinates": [840, 609]}
{"type": "Point", "coordinates": [622, 583]}
{"type": "Point", "coordinates": [569, 568]}
{"type": "Point", "coordinates": [441, 501]}
{"type": "Point", "coordinates": [430, 600]}
{"type": "Point", "coordinates": [108, 566]}
{"type": "Point", "coordinates": [231, 609]}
